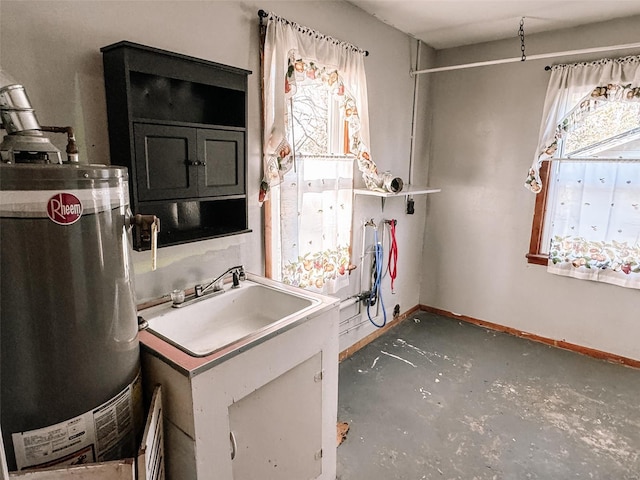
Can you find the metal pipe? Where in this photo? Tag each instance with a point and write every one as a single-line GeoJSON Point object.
{"type": "Point", "coordinates": [529, 57]}
{"type": "Point", "coordinates": [353, 327]}
{"type": "Point", "coordinates": [362, 257]}
{"type": "Point", "coordinates": [347, 320]}
{"type": "Point", "coordinates": [413, 116]}
{"type": "Point", "coordinates": [382, 272]}
{"type": "Point", "coordinates": [593, 160]}
{"type": "Point", "coordinates": [347, 302]}
{"type": "Point", "coordinates": [72, 147]}
{"type": "Point", "coordinates": [24, 142]}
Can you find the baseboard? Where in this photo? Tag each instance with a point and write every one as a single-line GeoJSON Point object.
{"type": "Point", "coordinates": [375, 334]}
{"type": "Point", "coordinates": [591, 352]}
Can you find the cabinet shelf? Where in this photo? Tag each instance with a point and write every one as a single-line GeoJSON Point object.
{"type": "Point", "coordinates": [165, 98]}
{"type": "Point", "coordinates": [178, 238]}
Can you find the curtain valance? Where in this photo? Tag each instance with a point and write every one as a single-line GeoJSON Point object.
{"type": "Point", "coordinates": [574, 91]}
{"type": "Point", "coordinates": [292, 50]}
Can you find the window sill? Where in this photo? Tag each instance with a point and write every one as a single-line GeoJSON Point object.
{"type": "Point", "coordinates": [537, 259]}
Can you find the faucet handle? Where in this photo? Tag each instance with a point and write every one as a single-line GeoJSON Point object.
{"type": "Point", "coordinates": [242, 275]}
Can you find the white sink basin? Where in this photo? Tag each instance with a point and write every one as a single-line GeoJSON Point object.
{"type": "Point", "coordinates": [239, 315]}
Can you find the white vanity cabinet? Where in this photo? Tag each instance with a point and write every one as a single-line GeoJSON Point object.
{"type": "Point", "coordinates": [264, 411]}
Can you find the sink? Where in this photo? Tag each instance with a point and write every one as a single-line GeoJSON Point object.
{"type": "Point", "coordinates": [237, 317]}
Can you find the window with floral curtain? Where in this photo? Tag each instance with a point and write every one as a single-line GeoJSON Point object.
{"type": "Point", "coordinates": [315, 129]}
{"type": "Point", "coordinates": [591, 135]}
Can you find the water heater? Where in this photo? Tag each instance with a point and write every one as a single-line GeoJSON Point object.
{"type": "Point", "coordinates": [69, 352]}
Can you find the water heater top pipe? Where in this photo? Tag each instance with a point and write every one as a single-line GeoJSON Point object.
{"type": "Point", "coordinates": [15, 107]}
{"type": "Point", "coordinates": [24, 142]}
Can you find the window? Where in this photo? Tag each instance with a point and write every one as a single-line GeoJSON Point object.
{"type": "Point", "coordinates": [314, 199]}
{"type": "Point", "coordinates": [315, 122]}
{"type": "Point", "coordinates": [315, 130]}
{"type": "Point", "coordinates": [587, 215]}
{"type": "Point", "coordinates": [609, 134]}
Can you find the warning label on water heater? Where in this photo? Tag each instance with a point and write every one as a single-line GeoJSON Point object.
{"type": "Point", "coordinates": [102, 434]}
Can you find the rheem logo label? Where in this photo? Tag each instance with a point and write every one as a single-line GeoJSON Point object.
{"type": "Point", "coordinates": [64, 208]}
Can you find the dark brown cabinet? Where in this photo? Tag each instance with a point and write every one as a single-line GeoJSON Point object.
{"type": "Point", "coordinates": [179, 124]}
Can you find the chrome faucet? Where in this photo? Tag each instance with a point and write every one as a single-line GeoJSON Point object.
{"type": "Point", "coordinates": [237, 273]}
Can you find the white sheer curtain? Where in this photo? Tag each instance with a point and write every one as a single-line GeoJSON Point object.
{"type": "Point", "coordinates": [595, 223]}
{"type": "Point", "coordinates": [595, 213]}
{"type": "Point", "coordinates": [314, 208]}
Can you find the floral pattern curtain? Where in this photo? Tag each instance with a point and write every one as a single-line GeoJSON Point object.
{"type": "Point", "coordinates": [311, 196]}
{"type": "Point", "coordinates": [315, 211]}
{"type": "Point", "coordinates": [290, 50]}
{"type": "Point", "coordinates": [596, 223]}
{"type": "Point", "coordinates": [595, 219]}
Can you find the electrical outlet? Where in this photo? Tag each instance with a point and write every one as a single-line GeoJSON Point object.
{"type": "Point", "coordinates": [396, 311]}
{"type": "Point", "coordinates": [410, 208]}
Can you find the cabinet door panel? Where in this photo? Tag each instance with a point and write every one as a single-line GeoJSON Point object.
{"type": "Point", "coordinates": [222, 151]}
{"type": "Point", "coordinates": [163, 161]}
{"type": "Point", "coordinates": [276, 431]}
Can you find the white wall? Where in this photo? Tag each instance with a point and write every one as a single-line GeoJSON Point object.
{"type": "Point", "coordinates": [484, 135]}
{"type": "Point", "coordinates": [477, 131]}
{"type": "Point", "coordinates": [53, 49]}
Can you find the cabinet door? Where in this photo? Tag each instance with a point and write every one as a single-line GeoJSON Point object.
{"type": "Point", "coordinates": [222, 152]}
{"type": "Point", "coordinates": [276, 431]}
{"type": "Point", "coordinates": [165, 162]}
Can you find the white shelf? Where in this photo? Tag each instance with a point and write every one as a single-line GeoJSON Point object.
{"type": "Point", "coordinates": [406, 192]}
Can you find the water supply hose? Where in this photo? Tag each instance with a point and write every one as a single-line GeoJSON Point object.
{"type": "Point", "coordinates": [393, 253]}
{"type": "Point", "coordinates": [377, 278]}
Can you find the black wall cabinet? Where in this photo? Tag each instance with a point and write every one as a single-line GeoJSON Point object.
{"type": "Point", "coordinates": [179, 124]}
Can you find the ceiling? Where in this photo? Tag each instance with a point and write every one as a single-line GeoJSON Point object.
{"type": "Point", "coordinates": [452, 23]}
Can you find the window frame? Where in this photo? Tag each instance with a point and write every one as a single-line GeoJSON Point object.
{"type": "Point", "coordinates": [535, 255]}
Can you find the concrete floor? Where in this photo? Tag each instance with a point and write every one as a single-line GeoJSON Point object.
{"type": "Point", "coordinates": [435, 398]}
